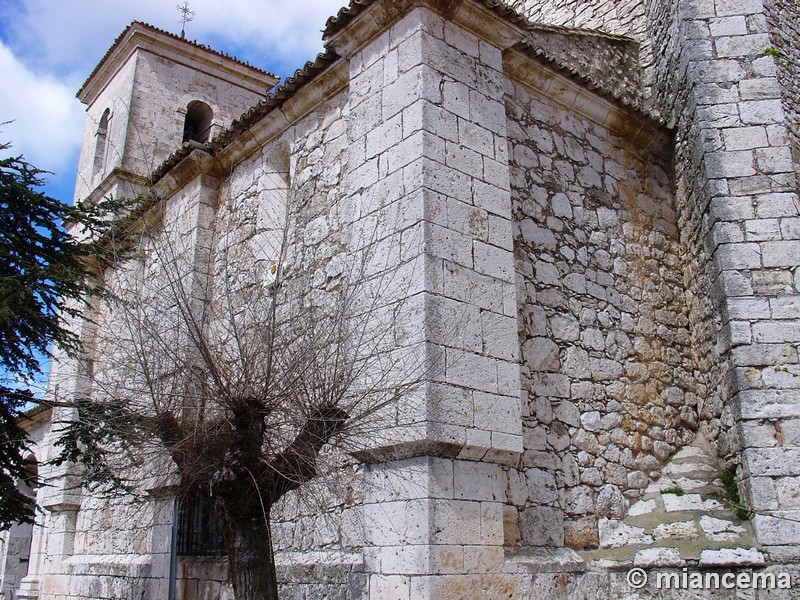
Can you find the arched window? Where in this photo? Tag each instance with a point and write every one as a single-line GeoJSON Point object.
{"type": "Point", "coordinates": [198, 122]}
{"type": "Point", "coordinates": [101, 143]}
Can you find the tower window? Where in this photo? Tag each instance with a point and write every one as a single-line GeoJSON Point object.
{"type": "Point", "coordinates": [198, 122]}
{"type": "Point", "coordinates": [101, 143]}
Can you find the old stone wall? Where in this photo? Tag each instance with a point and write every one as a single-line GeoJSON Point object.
{"type": "Point", "coordinates": [603, 307]}
{"type": "Point", "coordinates": [428, 163]}
{"type": "Point", "coordinates": [678, 43]}
{"type": "Point", "coordinates": [607, 374]}
{"type": "Point", "coordinates": [297, 176]}
{"type": "Point", "coordinates": [719, 77]}
{"type": "Point", "coordinates": [209, 241]}
{"type": "Point", "coordinates": [783, 19]}
{"type": "Point", "coordinates": [736, 202]}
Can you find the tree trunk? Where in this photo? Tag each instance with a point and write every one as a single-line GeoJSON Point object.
{"type": "Point", "coordinates": [249, 544]}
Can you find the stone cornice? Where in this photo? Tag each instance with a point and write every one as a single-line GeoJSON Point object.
{"type": "Point", "coordinates": [325, 86]}
{"type": "Point", "coordinates": [376, 18]}
{"type": "Point", "coordinates": [637, 126]}
{"type": "Point", "coordinates": [116, 175]}
{"type": "Point", "coordinates": [197, 163]}
{"type": "Point", "coordinates": [34, 418]}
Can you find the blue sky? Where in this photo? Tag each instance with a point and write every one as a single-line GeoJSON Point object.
{"type": "Point", "coordinates": [48, 48]}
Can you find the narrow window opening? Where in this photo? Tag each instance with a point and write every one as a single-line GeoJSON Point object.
{"type": "Point", "coordinates": [101, 143]}
{"type": "Point", "coordinates": [197, 126]}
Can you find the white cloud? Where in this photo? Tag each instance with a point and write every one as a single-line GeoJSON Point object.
{"type": "Point", "coordinates": [46, 119]}
{"type": "Point", "coordinates": [67, 37]}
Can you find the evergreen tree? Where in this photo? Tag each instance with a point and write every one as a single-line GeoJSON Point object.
{"type": "Point", "coordinates": [44, 276]}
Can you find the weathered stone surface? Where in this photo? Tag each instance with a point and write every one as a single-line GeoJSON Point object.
{"type": "Point", "coordinates": [615, 534]}
{"type": "Point", "coordinates": [658, 557]}
{"type": "Point", "coordinates": [683, 530]}
{"type": "Point", "coordinates": [731, 557]}
{"type": "Point", "coordinates": [719, 530]}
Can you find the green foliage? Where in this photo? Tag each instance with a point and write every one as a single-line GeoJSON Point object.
{"type": "Point", "coordinates": [14, 506]}
{"type": "Point", "coordinates": [677, 490]}
{"type": "Point", "coordinates": [44, 277]}
{"type": "Point", "coordinates": [728, 477]}
{"type": "Point", "coordinates": [86, 437]}
{"type": "Point", "coordinates": [769, 51]}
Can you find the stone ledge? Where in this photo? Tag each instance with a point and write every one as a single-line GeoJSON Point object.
{"type": "Point", "coordinates": [544, 560]}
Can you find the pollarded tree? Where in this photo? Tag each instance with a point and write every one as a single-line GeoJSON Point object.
{"type": "Point", "coordinates": [44, 277]}
{"type": "Point", "coordinates": [241, 353]}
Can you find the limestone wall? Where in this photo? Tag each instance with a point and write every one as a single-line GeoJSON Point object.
{"type": "Point", "coordinates": [783, 19]}
{"type": "Point", "coordinates": [737, 200]}
{"type": "Point", "coordinates": [656, 299]}
{"type": "Point", "coordinates": [607, 374]}
{"type": "Point", "coordinates": [197, 252]}
{"type": "Point", "coordinates": [300, 175]}
{"type": "Point", "coordinates": [722, 76]}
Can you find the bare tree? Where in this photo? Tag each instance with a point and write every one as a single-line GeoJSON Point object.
{"type": "Point", "coordinates": [233, 353]}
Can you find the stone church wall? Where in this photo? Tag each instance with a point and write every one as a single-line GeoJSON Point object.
{"type": "Point", "coordinates": [217, 227]}
{"type": "Point", "coordinates": [317, 528]}
{"type": "Point", "coordinates": [607, 372]}
{"type": "Point", "coordinates": [655, 271]}
{"type": "Point", "coordinates": [783, 18]}
{"type": "Point", "coordinates": [717, 78]}
{"type": "Point", "coordinates": [736, 204]}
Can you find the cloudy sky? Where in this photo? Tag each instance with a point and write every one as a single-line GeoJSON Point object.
{"type": "Point", "coordinates": [49, 47]}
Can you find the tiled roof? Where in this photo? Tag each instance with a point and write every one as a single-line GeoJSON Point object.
{"type": "Point", "coordinates": [192, 43]}
{"type": "Point", "coordinates": [608, 83]}
{"type": "Point", "coordinates": [346, 14]}
{"type": "Point", "coordinates": [628, 98]}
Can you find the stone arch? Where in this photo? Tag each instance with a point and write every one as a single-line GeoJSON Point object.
{"type": "Point", "coordinates": [101, 142]}
{"type": "Point", "coordinates": [197, 125]}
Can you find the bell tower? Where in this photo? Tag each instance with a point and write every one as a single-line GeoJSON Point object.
{"type": "Point", "coordinates": [150, 93]}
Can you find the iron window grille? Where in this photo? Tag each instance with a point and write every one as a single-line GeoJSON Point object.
{"type": "Point", "coordinates": [199, 527]}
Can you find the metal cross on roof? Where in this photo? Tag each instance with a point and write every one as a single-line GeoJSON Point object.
{"type": "Point", "coordinates": [188, 15]}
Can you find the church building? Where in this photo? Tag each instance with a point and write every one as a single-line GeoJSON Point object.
{"type": "Point", "coordinates": [585, 213]}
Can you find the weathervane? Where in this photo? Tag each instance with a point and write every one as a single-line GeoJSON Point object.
{"type": "Point", "coordinates": [188, 15]}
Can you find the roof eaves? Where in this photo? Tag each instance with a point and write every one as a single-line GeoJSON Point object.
{"type": "Point", "coordinates": [570, 71]}
{"type": "Point", "coordinates": [346, 14]}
